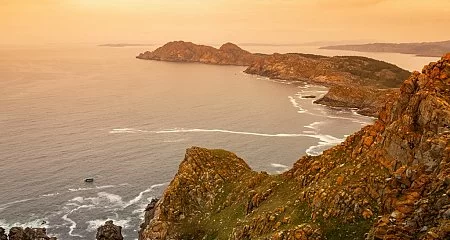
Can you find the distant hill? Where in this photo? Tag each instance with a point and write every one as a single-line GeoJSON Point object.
{"type": "Point", "coordinates": [123, 45]}
{"type": "Point", "coordinates": [424, 49]}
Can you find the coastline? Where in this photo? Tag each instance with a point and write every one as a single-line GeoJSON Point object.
{"type": "Point", "coordinates": [354, 82]}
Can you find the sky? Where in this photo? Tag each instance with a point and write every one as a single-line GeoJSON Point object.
{"type": "Point", "coordinates": [219, 21]}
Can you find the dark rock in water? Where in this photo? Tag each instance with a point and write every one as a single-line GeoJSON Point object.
{"type": "Point", "coordinates": [2, 234]}
{"type": "Point", "coordinates": [18, 233]}
{"type": "Point", "coordinates": [109, 231]}
{"type": "Point", "coordinates": [309, 96]}
{"type": "Point", "coordinates": [89, 180]}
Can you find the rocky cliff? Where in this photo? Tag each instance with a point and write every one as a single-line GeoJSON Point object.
{"type": "Point", "coordinates": [363, 75]}
{"type": "Point", "coordinates": [390, 180]}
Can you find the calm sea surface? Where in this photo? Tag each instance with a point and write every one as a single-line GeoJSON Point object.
{"type": "Point", "coordinates": [72, 112]}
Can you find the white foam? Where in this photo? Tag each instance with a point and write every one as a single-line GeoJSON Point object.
{"type": "Point", "coordinates": [278, 165]}
{"type": "Point", "coordinates": [50, 194]}
{"type": "Point", "coordinates": [15, 202]}
{"type": "Point", "coordinates": [78, 199]}
{"type": "Point", "coordinates": [94, 224]}
{"type": "Point", "coordinates": [141, 194]}
{"type": "Point", "coordinates": [112, 198]}
{"type": "Point", "coordinates": [36, 223]}
{"type": "Point", "coordinates": [72, 223]}
{"type": "Point", "coordinates": [296, 104]}
{"type": "Point", "coordinates": [318, 149]}
{"type": "Point", "coordinates": [175, 140]}
{"type": "Point", "coordinates": [182, 130]}
{"type": "Point", "coordinates": [314, 125]}
{"type": "Point", "coordinates": [91, 188]}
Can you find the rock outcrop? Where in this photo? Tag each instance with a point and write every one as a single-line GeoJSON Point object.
{"type": "Point", "coordinates": [390, 180]}
{"type": "Point", "coordinates": [109, 231]}
{"type": "Point", "coordinates": [3, 235]}
{"type": "Point", "coordinates": [363, 75]}
{"type": "Point", "coordinates": [19, 233]}
{"type": "Point", "coordinates": [367, 100]}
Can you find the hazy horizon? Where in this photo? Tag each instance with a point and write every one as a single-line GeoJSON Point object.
{"type": "Point", "coordinates": [219, 21]}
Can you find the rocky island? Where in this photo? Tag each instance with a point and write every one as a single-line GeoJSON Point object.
{"type": "Point", "coordinates": [354, 82]}
{"type": "Point", "coordinates": [390, 180]}
{"type": "Point", "coordinates": [425, 49]}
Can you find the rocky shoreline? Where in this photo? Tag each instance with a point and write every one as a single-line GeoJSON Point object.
{"type": "Point", "coordinates": [375, 80]}
{"type": "Point", "coordinates": [108, 231]}
{"type": "Point", "coordinates": [390, 180]}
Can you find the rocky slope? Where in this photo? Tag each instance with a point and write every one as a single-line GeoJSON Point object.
{"type": "Point", "coordinates": [362, 74]}
{"type": "Point", "coordinates": [391, 180]}
{"type": "Point", "coordinates": [428, 49]}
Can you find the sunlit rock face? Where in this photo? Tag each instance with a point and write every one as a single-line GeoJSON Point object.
{"type": "Point", "coordinates": [390, 180]}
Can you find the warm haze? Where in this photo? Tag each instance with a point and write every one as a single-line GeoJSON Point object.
{"type": "Point", "coordinates": [217, 21]}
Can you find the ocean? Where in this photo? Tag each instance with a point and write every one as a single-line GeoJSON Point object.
{"type": "Point", "coordinates": [80, 111]}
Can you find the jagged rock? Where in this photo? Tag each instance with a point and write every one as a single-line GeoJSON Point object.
{"type": "Point", "coordinates": [18, 233]}
{"type": "Point", "coordinates": [355, 82]}
{"type": "Point", "coordinates": [109, 231]}
{"type": "Point", "coordinates": [3, 235]}
{"type": "Point", "coordinates": [390, 180]}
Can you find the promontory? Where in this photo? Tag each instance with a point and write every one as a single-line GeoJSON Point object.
{"type": "Point", "coordinates": [354, 82]}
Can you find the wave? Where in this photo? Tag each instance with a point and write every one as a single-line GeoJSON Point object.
{"type": "Point", "coordinates": [316, 150]}
{"type": "Point", "coordinates": [50, 194]}
{"type": "Point", "coordinates": [36, 223]}
{"type": "Point", "coordinates": [325, 140]}
{"type": "Point", "coordinates": [277, 165]}
{"type": "Point", "coordinates": [280, 81]}
{"type": "Point", "coordinates": [91, 188]}
{"type": "Point", "coordinates": [296, 105]}
{"type": "Point", "coordinates": [15, 202]}
{"type": "Point", "coordinates": [72, 226]}
{"type": "Point", "coordinates": [141, 194]}
{"type": "Point", "coordinates": [198, 130]}
{"type": "Point", "coordinates": [175, 140]}
{"type": "Point", "coordinates": [94, 224]}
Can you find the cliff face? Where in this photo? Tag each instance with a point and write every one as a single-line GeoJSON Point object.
{"type": "Point", "coordinates": [362, 74]}
{"type": "Point", "coordinates": [391, 180]}
{"type": "Point", "coordinates": [339, 70]}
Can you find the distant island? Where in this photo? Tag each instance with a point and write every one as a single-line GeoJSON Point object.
{"type": "Point", "coordinates": [424, 49]}
{"type": "Point", "coordinates": [354, 82]}
{"type": "Point", "coordinates": [124, 45]}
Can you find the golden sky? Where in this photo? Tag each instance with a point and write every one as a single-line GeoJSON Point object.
{"type": "Point", "coordinates": [218, 21]}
